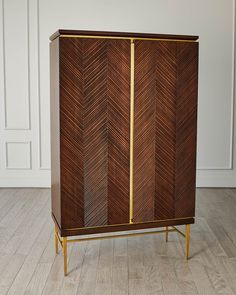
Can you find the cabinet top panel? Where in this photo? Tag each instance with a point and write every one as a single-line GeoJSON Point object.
{"type": "Point", "coordinates": [121, 35]}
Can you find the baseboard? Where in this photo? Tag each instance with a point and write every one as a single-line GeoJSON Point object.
{"type": "Point", "coordinates": [216, 178]}
{"type": "Point", "coordinates": [43, 181]}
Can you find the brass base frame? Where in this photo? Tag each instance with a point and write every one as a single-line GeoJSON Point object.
{"type": "Point", "coordinates": [63, 241]}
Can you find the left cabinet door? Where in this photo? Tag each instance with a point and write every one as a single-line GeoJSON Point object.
{"type": "Point", "coordinates": [92, 104]}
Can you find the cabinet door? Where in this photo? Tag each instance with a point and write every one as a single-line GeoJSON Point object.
{"type": "Point", "coordinates": [165, 129]}
{"type": "Point", "coordinates": [94, 131]}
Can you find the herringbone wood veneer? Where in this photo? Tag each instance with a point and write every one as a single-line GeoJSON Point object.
{"type": "Point", "coordinates": [91, 131]}
{"type": "Point", "coordinates": [165, 129]}
{"type": "Point", "coordinates": [94, 120]}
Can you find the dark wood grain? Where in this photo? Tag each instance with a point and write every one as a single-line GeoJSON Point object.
{"type": "Point", "coordinates": [55, 130]}
{"type": "Point", "coordinates": [165, 129]}
{"type": "Point", "coordinates": [144, 130]}
{"type": "Point", "coordinates": [71, 133]}
{"type": "Point", "coordinates": [94, 129]}
{"type": "Point", "coordinates": [118, 118]}
{"type": "Point", "coordinates": [121, 34]}
{"type": "Point", "coordinates": [186, 128]}
{"type": "Point", "coordinates": [90, 130]}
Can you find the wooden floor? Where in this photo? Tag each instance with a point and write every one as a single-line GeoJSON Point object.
{"type": "Point", "coordinates": [135, 265]}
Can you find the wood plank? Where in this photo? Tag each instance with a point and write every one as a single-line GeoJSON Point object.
{"type": "Point", "coordinates": [71, 282]}
{"type": "Point", "coordinates": [87, 283]}
{"type": "Point", "coordinates": [104, 269]}
{"type": "Point", "coordinates": [10, 271]}
{"type": "Point", "coordinates": [38, 280]}
{"type": "Point", "coordinates": [120, 267]}
{"type": "Point", "coordinates": [32, 258]}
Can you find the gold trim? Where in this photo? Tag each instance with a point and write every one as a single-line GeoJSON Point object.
{"type": "Point", "coordinates": [131, 167]}
{"type": "Point", "coordinates": [119, 224]}
{"type": "Point", "coordinates": [125, 38]}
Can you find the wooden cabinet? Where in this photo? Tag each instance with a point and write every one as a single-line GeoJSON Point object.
{"type": "Point", "coordinates": [123, 131]}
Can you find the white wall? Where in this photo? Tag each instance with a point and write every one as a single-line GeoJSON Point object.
{"type": "Point", "coordinates": [25, 27]}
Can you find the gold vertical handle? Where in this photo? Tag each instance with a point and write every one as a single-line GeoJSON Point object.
{"type": "Point", "coordinates": [131, 184]}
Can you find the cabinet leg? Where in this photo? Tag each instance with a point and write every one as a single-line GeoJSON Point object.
{"type": "Point", "coordinates": [167, 233]}
{"type": "Point", "coordinates": [187, 240]}
{"type": "Point", "coordinates": [64, 243]}
{"type": "Point", "coordinates": [56, 239]}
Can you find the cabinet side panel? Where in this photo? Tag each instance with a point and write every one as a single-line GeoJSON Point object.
{"type": "Point", "coordinates": [55, 130]}
{"type": "Point", "coordinates": [186, 127]}
{"type": "Point", "coordinates": [165, 137]}
{"type": "Point", "coordinates": [71, 132]}
{"type": "Point", "coordinates": [144, 131]}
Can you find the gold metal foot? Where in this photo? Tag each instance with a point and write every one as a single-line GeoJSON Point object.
{"type": "Point", "coordinates": [56, 239]}
{"type": "Point", "coordinates": [167, 233]}
{"type": "Point", "coordinates": [64, 244]}
{"type": "Point", "coordinates": [187, 240]}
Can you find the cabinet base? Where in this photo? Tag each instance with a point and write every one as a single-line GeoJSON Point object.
{"type": "Point", "coordinates": [63, 241]}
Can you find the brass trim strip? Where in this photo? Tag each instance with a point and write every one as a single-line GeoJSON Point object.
{"type": "Point", "coordinates": [131, 167]}
{"type": "Point", "coordinates": [119, 224]}
{"type": "Point", "coordinates": [125, 38]}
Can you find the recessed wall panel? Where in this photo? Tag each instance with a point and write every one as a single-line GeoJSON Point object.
{"type": "Point", "coordinates": [16, 64]}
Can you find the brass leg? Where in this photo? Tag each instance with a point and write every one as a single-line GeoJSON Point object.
{"type": "Point", "coordinates": [187, 240]}
{"type": "Point", "coordinates": [64, 243]}
{"type": "Point", "coordinates": [167, 233]}
{"type": "Point", "coordinates": [56, 239]}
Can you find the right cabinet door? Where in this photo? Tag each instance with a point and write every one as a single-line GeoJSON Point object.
{"type": "Point", "coordinates": [165, 123]}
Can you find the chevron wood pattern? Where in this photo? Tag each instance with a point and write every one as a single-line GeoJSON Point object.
{"type": "Point", "coordinates": [118, 92]}
{"type": "Point", "coordinates": [144, 130]}
{"type": "Point", "coordinates": [186, 126]}
{"type": "Point", "coordinates": [165, 118]}
{"type": "Point", "coordinates": [94, 85]}
{"type": "Point", "coordinates": [165, 129]}
{"type": "Point", "coordinates": [71, 133]}
{"type": "Point", "coordinates": [90, 118]}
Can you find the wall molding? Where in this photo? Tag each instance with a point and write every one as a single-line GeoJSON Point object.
{"type": "Point", "coordinates": [6, 127]}
{"type": "Point", "coordinates": [232, 103]}
{"type": "Point", "coordinates": [43, 180]}
{"type": "Point", "coordinates": [28, 143]}
{"type": "Point", "coordinates": [41, 167]}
